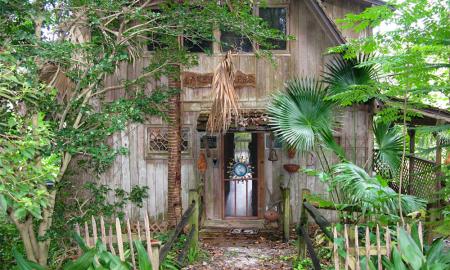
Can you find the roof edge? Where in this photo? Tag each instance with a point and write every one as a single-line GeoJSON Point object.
{"type": "Point", "coordinates": [325, 21]}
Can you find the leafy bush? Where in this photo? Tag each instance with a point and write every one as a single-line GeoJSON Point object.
{"type": "Point", "coordinates": [9, 239]}
{"type": "Point", "coordinates": [411, 257]}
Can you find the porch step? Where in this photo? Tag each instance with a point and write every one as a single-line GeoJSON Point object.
{"type": "Point", "coordinates": [238, 232]}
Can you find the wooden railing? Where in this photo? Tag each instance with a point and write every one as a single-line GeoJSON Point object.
{"type": "Point", "coordinates": [190, 216]}
{"type": "Point", "coordinates": [116, 237]}
{"type": "Point", "coordinates": [286, 212]}
{"type": "Point", "coordinates": [419, 177]}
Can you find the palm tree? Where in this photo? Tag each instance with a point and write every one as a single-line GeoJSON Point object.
{"type": "Point", "coordinates": [302, 117]}
{"type": "Point", "coordinates": [174, 154]}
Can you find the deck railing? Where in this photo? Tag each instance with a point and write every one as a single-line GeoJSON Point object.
{"type": "Point", "coordinates": [419, 177]}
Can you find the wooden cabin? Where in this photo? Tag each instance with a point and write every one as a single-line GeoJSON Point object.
{"type": "Point", "coordinates": [312, 22]}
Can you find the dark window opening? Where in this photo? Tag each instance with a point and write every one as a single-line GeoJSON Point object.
{"type": "Point", "coordinates": [276, 18]}
{"type": "Point", "coordinates": [235, 42]}
{"type": "Point", "coordinates": [157, 40]}
{"type": "Point", "coordinates": [197, 45]}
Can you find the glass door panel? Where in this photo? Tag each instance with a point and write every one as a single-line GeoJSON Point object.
{"type": "Point", "coordinates": [240, 175]}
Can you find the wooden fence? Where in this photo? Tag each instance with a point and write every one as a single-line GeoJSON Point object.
{"type": "Point", "coordinates": [116, 237]}
{"type": "Point", "coordinates": [113, 237]}
{"type": "Point", "coordinates": [356, 252]}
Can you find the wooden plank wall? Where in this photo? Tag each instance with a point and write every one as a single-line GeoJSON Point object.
{"type": "Point", "coordinates": [305, 57]}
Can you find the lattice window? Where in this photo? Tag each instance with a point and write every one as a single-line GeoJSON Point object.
{"type": "Point", "coordinates": [157, 141]}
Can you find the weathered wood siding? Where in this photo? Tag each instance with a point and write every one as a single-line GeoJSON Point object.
{"type": "Point", "coordinates": [304, 57]}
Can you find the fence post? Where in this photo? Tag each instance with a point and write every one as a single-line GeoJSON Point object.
{"type": "Point", "coordinates": [286, 193]}
{"type": "Point", "coordinates": [303, 223]}
{"type": "Point", "coordinates": [194, 198]}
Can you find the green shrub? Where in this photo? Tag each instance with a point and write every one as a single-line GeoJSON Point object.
{"type": "Point", "coordinates": [9, 239]}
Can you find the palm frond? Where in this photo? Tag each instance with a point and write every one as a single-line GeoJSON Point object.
{"type": "Point", "coordinates": [368, 193]}
{"type": "Point", "coordinates": [388, 146]}
{"type": "Point", "coordinates": [352, 78]}
{"type": "Point", "coordinates": [300, 114]}
{"type": "Point", "coordinates": [225, 104]}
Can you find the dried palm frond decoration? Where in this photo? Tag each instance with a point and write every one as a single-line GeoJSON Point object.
{"type": "Point", "coordinates": [225, 104]}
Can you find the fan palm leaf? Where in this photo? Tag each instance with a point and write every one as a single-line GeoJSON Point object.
{"type": "Point", "coordinates": [351, 79]}
{"type": "Point", "coordinates": [302, 117]}
{"type": "Point", "coordinates": [388, 146]}
{"type": "Point", "coordinates": [368, 193]}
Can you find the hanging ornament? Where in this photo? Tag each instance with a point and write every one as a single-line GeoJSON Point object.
{"type": "Point", "coordinates": [273, 153]}
{"type": "Point", "coordinates": [202, 165]}
{"type": "Point", "coordinates": [240, 169]}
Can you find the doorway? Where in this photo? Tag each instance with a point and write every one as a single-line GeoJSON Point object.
{"type": "Point", "coordinates": [242, 175]}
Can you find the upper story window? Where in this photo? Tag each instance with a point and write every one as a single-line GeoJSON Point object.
{"type": "Point", "coordinates": [276, 17]}
{"type": "Point", "coordinates": [197, 45]}
{"type": "Point", "coordinates": [235, 42]}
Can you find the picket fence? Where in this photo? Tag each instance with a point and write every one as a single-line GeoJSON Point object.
{"type": "Point", "coordinates": [115, 237]}
{"type": "Point", "coordinates": [354, 251]}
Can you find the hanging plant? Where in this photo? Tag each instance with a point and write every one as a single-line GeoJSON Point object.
{"type": "Point", "coordinates": [225, 104]}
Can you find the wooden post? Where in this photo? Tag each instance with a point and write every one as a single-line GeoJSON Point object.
{"type": "Point", "coordinates": [194, 198]}
{"type": "Point", "coordinates": [303, 223]}
{"type": "Point", "coordinates": [286, 192]}
{"type": "Point", "coordinates": [335, 250]}
{"type": "Point", "coordinates": [412, 149]}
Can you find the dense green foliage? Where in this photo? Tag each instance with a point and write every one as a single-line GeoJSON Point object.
{"type": "Point", "coordinates": [410, 255]}
{"type": "Point", "coordinates": [54, 58]}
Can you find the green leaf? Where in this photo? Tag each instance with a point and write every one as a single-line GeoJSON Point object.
{"type": "Point", "coordinates": [397, 261]}
{"type": "Point", "coordinates": [144, 261]}
{"type": "Point", "coordinates": [24, 264]}
{"type": "Point", "coordinates": [20, 213]}
{"type": "Point", "coordinates": [410, 251]}
{"type": "Point", "coordinates": [82, 263]}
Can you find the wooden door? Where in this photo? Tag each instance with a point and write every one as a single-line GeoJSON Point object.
{"type": "Point", "coordinates": [242, 175]}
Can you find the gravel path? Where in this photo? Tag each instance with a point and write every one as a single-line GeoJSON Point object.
{"type": "Point", "coordinates": [256, 254]}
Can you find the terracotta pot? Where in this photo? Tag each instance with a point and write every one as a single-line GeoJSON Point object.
{"type": "Point", "coordinates": [271, 215]}
{"type": "Point", "coordinates": [291, 168]}
{"type": "Point", "coordinates": [447, 160]}
{"type": "Point", "coordinates": [292, 152]}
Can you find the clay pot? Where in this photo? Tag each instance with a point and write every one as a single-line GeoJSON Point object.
{"type": "Point", "coordinates": [291, 168]}
{"type": "Point", "coordinates": [447, 160]}
{"type": "Point", "coordinates": [271, 215]}
{"type": "Point", "coordinates": [291, 152]}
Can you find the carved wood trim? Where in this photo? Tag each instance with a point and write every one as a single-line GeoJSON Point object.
{"type": "Point", "coordinates": [200, 80]}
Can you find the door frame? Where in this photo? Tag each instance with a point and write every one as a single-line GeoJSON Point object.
{"type": "Point", "coordinates": [260, 153]}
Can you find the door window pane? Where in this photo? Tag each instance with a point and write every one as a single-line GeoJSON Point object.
{"type": "Point", "coordinates": [241, 183]}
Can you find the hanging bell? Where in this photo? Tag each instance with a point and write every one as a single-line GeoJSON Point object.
{"type": "Point", "coordinates": [273, 155]}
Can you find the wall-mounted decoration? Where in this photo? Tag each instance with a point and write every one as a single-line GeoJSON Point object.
{"type": "Point", "coordinates": [157, 143]}
{"type": "Point", "coordinates": [202, 80]}
{"type": "Point", "coordinates": [210, 140]}
{"type": "Point", "coordinates": [240, 169]}
{"type": "Point", "coordinates": [202, 164]}
{"type": "Point", "coordinates": [276, 142]}
{"type": "Point", "coordinates": [310, 159]}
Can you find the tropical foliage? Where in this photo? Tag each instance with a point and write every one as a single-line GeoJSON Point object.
{"type": "Point", "coordinates": [302, 117]}
{"type": "Point", "coordinates": [351, 80]}
{"type": "Point", "coordinates": [410, 256]}
{"type": "Point", "coordinates": [370, 194]}
{"type": "Point", "coordinates": [54, 58]}
{"type": "Point", "coordinates": [388, 146]}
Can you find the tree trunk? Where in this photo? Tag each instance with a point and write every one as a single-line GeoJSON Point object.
{"type": "Point", "coordinates": [174, 159]}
